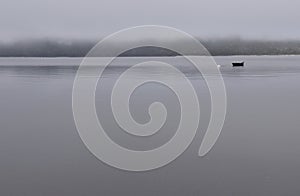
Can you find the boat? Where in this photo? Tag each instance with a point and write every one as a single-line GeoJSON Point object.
{"type": "Point", "coordinates": [238, 64]}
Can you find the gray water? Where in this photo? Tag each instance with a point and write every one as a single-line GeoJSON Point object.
{"type": "Point", "coordinates": [257, 153]}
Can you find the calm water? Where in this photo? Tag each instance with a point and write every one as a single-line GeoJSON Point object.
{"type": "Point", "coordinates": [258, 152]}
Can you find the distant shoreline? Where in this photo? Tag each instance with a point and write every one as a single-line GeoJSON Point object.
{"type": "Point", "coordinates": [215, 47]}
{"type": "Point", "coordinates": [81, 57]}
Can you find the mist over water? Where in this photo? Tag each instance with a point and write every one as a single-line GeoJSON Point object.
{"type": "Point", "coordinates": [216, 47]}
{"type": "Point", "coordinates": [43, 43]}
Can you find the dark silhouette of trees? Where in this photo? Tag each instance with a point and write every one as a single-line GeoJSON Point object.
{"type": "Point", "coordinates": [217, 47]}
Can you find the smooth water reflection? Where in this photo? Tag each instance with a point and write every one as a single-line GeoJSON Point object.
{"type": "Point", "coordinates": [258, 152]}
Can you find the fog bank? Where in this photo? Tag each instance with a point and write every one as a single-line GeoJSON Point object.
{"type": "Point", "coordinates": [216, 47]}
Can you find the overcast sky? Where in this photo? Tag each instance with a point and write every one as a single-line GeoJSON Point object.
{"type": "Point", "coordinates": [90, 19]}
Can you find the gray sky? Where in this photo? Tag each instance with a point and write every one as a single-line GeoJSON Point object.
{"type": "Point", "coordinates": [90, 19]}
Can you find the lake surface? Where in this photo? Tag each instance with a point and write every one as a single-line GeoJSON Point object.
{"type": "Point", "coordinates": [257, 153]}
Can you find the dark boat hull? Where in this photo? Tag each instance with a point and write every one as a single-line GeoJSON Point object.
{"type": "Point", "coordinates": [238, 64]}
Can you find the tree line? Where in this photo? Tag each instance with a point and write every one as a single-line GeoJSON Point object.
{"type": "Point", "coordinates": [216, 47]}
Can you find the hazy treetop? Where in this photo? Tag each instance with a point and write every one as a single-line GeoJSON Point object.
{"type": "Point", "coordinates": [63, 48]}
